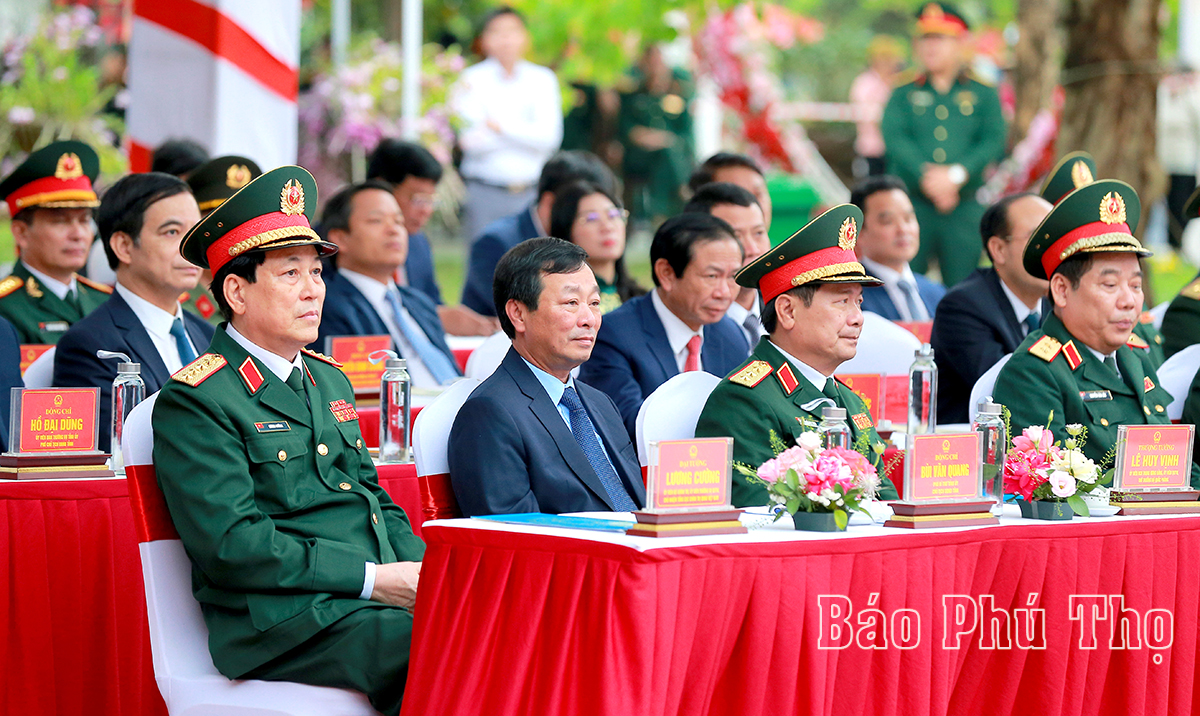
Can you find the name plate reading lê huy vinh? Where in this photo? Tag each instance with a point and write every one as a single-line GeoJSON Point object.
{"type": "Point", "coordinates": [354, 352]}
{"type": "Point", "coordinates": [688, 489]}
{"type": "Point", "coordinates": [941, 484]}
{"type": "Point", "coordinates": [1154, 470]}
{"type": "Point", "coordinates": [54, 434]}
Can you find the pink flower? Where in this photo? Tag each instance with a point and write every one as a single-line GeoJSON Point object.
{"type": "Point", "coordinates": [1062, 484]}
{"type": "Point", "coordinates": [1034, 437]}
{"type": "Point", "coordinates": [771, 470]}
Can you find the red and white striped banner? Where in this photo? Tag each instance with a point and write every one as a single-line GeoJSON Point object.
{"type": "Point", "coordinates": [221, 72]}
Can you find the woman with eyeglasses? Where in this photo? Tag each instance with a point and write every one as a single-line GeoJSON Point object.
{"type": "Point", "coordinates": [594, 220]}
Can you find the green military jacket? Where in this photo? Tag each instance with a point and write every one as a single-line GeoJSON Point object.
{"type": "Point", "coordinates": [1181, 323]}
{"type": "Point", "coordinates": [201, 303]}
{"type": "Point", "coordinates": [277, 502]}
{"type": "Point", "coordinates": [922, 126]}
{"type": "Point", "coordinates": [765, 394]}
{"type": "Point", "coordinates": [1044, 374]}
{"type": "Point", "coordinates": [40, 316]}
{"type": "Point", "coordinates": [1152, 351]}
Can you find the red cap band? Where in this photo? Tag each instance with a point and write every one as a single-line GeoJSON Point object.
{"type": "Point", "coordinates": [1050, 258]}
{"type": "Point", "coordinates": [50, 189]}
{"type": "Point", "coordinates": [780, 280]}
{"type": "Point", "coordinates": [254, 233]}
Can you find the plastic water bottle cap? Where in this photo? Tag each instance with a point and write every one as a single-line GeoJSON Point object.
{"type": "Point", "coordinates": [833, 413]}
{"type": "Point", "coordinates": [988, 406]}
{"type": "Point", "coordinates": [926, 351]}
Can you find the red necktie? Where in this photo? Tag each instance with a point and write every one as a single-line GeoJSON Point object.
{"type": "Point", "coordinates": [693, 355]}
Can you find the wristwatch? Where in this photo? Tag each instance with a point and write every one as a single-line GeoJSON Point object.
{"type": "Point", "coordinates": [958, 174]}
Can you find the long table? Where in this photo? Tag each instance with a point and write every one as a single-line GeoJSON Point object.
{"type": "Point", "coordinates": [543, 620]}
{"type": "Point", "coordinates": [73, 631]}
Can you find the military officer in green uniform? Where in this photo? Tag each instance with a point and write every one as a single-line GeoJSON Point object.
{"type": "Point", "coordinates": [212, 183]}
{"type": "Point", "coordinates": [1080, 365]}
{"type": "Point", "coordinates": [303, 566]}
{"type": "Point", "coordinates": [811, 286]}
{"type": "Point", "coordinates": [1078, 169]}
{"type": "Point", "coordinates": [50, 198]}
{"type": "Point", "coordinates": [940, 131]}
{"type": "Point", "coordinates": [1181, 324]}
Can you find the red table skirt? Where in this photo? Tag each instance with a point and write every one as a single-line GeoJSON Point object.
{"type": "Point", "coordinates": [532, 624]}
{"type": "Point", "coordinates": [73, 631]}
{"type": "Point", "coordinates": [368, 423]}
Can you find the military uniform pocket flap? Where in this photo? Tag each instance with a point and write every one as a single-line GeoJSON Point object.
{"type": "Point", "coordinates": [274, 449]}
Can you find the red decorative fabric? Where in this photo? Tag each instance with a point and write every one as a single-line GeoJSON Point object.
{"type": "Point", "coordinates": [150, 515]}
{"type": "Point", "coordinates": [401, 484]}
{"type": "Point", "coordinates": [437, 497]}
{"type": "Point", "coordinates": [527, 624]}
{"type": "Point", "coordinates": [460, 356]}
{"type": "Point", "coordinates": [73, 635]}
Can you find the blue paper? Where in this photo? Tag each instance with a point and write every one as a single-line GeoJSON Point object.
{"type": "Point", "coordinates": [542, 519]}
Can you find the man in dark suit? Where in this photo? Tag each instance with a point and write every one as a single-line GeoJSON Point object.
{"type": "Point", "coordinates": [414, 174]}
{"type": "Point", "coordinates": [988, 314]}
{"type": "Point", "coordinates": [10, 375]}
{"type": "Point", "coordinates": [889, 239]}
{"type": "Point", "coordinates": [681, 324]}
{"type": "Point", "coordinates": [361, 297]}
{"type": "Point", "coordinates": [531, 438]}
{"type": "Point", "coordinates": [503, 234]}
{"type": "Point", "coordinates": [141, 221]}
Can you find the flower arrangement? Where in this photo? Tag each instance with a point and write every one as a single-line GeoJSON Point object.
{"type": "Point", "coordinates": [1038, 468]}
{"type": "Point", "coordinates": [809, 478]}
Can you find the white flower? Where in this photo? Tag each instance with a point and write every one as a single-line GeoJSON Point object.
{"type": "Point", "coordinates": [778, 499]}
{"type": "Point", "coordinates": [1062, 484]}
{"type": "Point", "coordinates": [1034, 433]}
{"type": "Point", "coordinates": [1074, 429]}
{"type": "Point", "coordinates": [809, 441]}
{"type": "Point", "coordinates": [21, 115]}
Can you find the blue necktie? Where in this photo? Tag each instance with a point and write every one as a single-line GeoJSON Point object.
{"type": "Point", "coordinates": [585, 435]}
{"type": "Point", "coordinates": [916, 310]}
{"type": "Point", "coordinates": [186, 354]}
{"type": "Point", "coordinates": [1032, 322]}
{"type": "Point", "coordinates": [436, 361]}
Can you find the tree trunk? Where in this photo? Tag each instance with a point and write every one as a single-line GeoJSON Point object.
{"type": "Point", "coordinates": [1110, 75]}
{"type": "Point", "coordinates": [1036, 62]}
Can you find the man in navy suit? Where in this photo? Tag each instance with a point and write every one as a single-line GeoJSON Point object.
{"type": "Point", "coordinates": [531, 438]}
{"type": "Point", "coordinates": [681, 324]}
{"type": "Point", "coordinates": [361, 297]}
{"type": "Point", "coordinates": [10, 375]}
{"type": "Point", "coordinates": [414, 174]}
{"type": "Point", "coordinates": [888, 240]}
{"type": "Point", "coordinates": [987, 315]}
{"type": "Point", "coordinates": [141, 220]}
{"type": "Point", "coordinates": [503, 234]}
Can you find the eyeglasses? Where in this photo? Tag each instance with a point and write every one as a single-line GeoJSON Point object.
{"type": "Point", "coordinates": [595, 217]}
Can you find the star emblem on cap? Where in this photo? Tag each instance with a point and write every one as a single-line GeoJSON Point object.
{"type": "Point", "coordinates": [932, 12]}
{"type": "Point", "coordinates": [291, 198]}
{"type": "Point", "coordinates": [1112, 208]}
{"type": "Point", "coordinates": [1081, 175]}
{"type": "Point", "coordinates": [69, 167]}
{"type": "Point", "coordinates": [847, 234]}
{"type": "Point", "coordinates": [237, 176]}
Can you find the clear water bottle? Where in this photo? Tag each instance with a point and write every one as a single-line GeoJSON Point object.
{"type": "Point", "coordinates": [993, 443]}
{"type": "Point", "coordinates": [834, 430]}
{"type": "Point", "coordinates": [395, 408]}
{"type": "Point", "coordinates": [128, 389]}
{"type": "Point", "coordinates": [922, 393]}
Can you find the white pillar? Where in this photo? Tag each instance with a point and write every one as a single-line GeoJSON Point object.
{"type": "Point", "coordinates": [412, 36]}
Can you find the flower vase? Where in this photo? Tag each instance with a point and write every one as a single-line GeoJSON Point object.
{"type": "Point", "coordinates": [1045, 510]}
{"type": "Point", "coordinates": [816, 522]}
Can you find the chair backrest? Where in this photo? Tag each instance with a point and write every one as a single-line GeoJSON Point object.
{"type": "Point", "coordinates": [1175, 376]}
{"type": "Point", "coordinates": [487, 357]}
{"type": "Point", "coordinates": [883, 348]}
{"type": "Point", "coordinates": [984, 387]}
{"type": "Point", "coordinates": [672, 410]}
{"type": "Point", "coordinates": [431, 436]}
{"type": "Point", "coordinates": [40, 373]}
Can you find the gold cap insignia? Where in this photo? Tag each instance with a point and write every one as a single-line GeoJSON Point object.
{"type": "Point", "coordinates": [1112, 208]}
{"type": "Point", "coordinates": [1080, 174]}
{"type": "Point", "coordinates": [848, 234]}
{"type": "Point", "coordinates": [932, 11]}
{"type": "Point", "coordinates": [291, 199]}
{"type": "Point", "coordinates": [69, 167]}
{"type": "Point", "coordinates": [237, 176]}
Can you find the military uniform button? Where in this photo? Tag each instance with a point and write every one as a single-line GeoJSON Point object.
{"type": "Point", "coordinates": [360, 443]}
{"type": "Point", "coordinates": [344, 485]}
{"type": "Point", "coordinates": [940, 133]}
{"type": "Point", "coordinates": [1159, 408]}
{"type": "Point", "coordinates": [322, 449]}
{"type": "Point", "coordinates": [941, 112]}
{"type": "Point", "coordinates": [1104, 422]}
{"type": "Point", "coordinates": [1146, 408]}
{"type": "Point", "coordinates": [375, 518]}
{"type": "Point", "coordinates": [939, 155]}
{"type": "Point", "coordinates": [282, 456]}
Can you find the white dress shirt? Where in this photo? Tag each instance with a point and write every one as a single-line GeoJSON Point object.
{"type": "Point", "coordinates": [157, 323]}
{"type": "Point", "coordinates": [1018, 306]}
{"type": "Point", "coordinates": [678, 333]}
{"type": "Point", "coordinates": [282, 369]}
{"type": "Point", "coordinates": [891, 283]}
{"type": "Point", "coordinates": [58, 288]}
{"type": "Point", "coordinates": [527, 105]}
{"type": "Point", "coordinates": [376, 294]}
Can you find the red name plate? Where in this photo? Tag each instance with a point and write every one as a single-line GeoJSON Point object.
{"type": "Point", "coordinates": [353, 352]}
{"type": "Point", "coordinates": [921, 329]}
{"type": "Point", "coordinates": [31, 352]}
{"type": "Point", "coordinates": [942, 467]}
{"type": "Point", "coordinates": [1154, 457]}
{"type": "Point", "coordinates": [689, 474]}
{"type": "Point", "coordinates": [58, 420]}
{"type": "Point", "coordinates": [869, 389]}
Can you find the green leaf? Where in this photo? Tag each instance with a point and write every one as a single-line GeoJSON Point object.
{"type": "Point", "coordinates": [792, 479]}
{"type": "Point", "coordinates": [793, 505]}
{"type": "Point", "coordinates": [842, 518]}
{"type": "Point", "coordinates": [1076, 502]}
